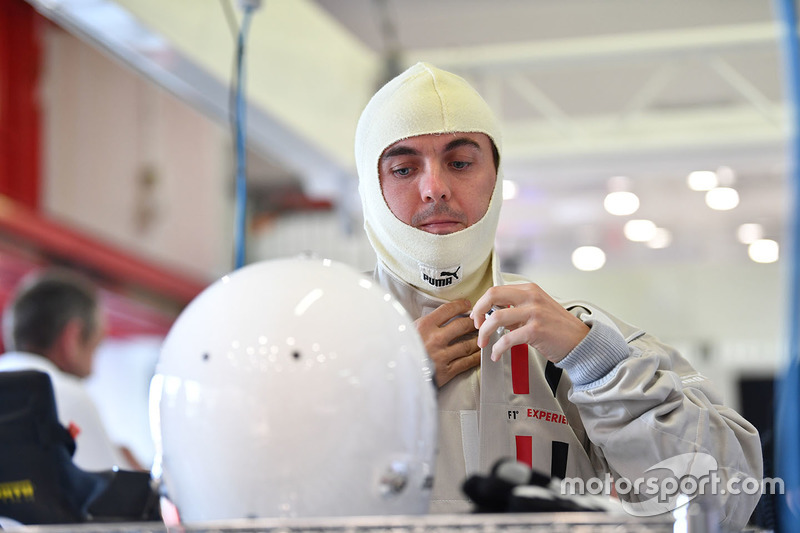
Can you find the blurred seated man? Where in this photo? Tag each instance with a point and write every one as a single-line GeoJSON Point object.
{"type": "Point", "coordinates": [53, 323]}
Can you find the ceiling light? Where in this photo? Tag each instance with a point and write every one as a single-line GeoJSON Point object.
{"type": "Point", "coordinates": [702, 180]}
{"type": "Point", "coordinates": [588, 258]}
{"type": "Point", "coordinates": [638, 230]}
{"type": "Point", "coordinates": [510, 189]}
{"type": "Point", "coordinates": [747, 233]}
{"type": "Point", "coordinates": [722, 198]}
{"type": "Point", "coordinates": [661, 239]}
{"type": "Point", "coordinates": [763, 251]}
{"type": "Point", "coordinates": [621, 203]}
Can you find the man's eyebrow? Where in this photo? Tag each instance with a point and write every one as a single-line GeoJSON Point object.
{"type": "Point", "coordinates": [399, 150]}
{"type": "Point", "coordinates": [461, 141]}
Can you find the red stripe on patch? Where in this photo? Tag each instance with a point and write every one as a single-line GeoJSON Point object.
{"type": "Point", "coordinates": [520, 381]}
{"type": "Point", "coordinates": [525, 449]}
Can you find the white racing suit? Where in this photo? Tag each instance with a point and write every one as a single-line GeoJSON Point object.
{"type": "Point", "coordinates": [620, 403]}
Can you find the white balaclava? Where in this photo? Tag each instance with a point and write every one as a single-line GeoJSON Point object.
{"type": "Point", "coordinates": [420, 101]}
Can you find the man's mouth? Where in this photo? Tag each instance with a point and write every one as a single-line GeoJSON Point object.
{"type": "Point", "coordinates": [440, 219]}
{"type": "Point", "coordinates": [441, 227]}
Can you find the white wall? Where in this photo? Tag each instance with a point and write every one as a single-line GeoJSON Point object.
{"type": "Point", "coordinates": [104, 129]}
{"type": "Point", "coordinates": [120, 386]}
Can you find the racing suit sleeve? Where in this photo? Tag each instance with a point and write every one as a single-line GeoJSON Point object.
{"type": "Point", "coordinates": [642, 403]}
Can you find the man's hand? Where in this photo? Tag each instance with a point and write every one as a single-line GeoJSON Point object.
{"type": "Point", "coordinates": [531, 316]}
{"type": "Point", "coordinates": [450, 339]}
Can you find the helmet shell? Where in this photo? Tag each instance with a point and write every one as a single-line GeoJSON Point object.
{"type": "Point", "coordinates": [294, 388]}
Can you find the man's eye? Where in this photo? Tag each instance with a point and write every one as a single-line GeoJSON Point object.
{"type": "Point", "coordinates": [402, 172]}
{"type": "Point", "coordinates": [460, 165]}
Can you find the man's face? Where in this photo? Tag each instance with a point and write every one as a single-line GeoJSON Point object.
{"type": "Point", "coordinates": [83, 359]}
{"type": "Point", "coordinates": [439, 183]}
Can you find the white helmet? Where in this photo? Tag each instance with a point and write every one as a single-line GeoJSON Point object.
{"type": "Point", "coordinates": [294, 388]}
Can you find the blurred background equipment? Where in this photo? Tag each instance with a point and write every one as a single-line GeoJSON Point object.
{"type": "Point", "coordinates": [40, 483]}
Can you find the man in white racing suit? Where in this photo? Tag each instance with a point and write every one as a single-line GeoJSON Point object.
{"type": "Point", "coordinates": [562, 386]}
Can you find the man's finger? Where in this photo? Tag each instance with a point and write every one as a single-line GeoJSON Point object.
{"type": "Point", "coordinates": [464, 345]}
{"type": "Point", "coordinates": [456, 367]}
{"type": "Point", "coordinates": [461, 364]}
{"type": "Point", "coordinates": [446, 312]}
{"type": "Point", "coordinates": [460, 327]}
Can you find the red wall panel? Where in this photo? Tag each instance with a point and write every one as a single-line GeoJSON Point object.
{"type": "Point", "coordinates": [19, 104]}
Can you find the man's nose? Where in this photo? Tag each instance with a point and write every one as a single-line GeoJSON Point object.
{"type": "Point", "coordinates": [434, 185]}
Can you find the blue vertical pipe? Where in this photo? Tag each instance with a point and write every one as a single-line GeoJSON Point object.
{"type": "Point", "coordinates": [240, 229]}
{"type": "Point", "coordinates": [787, 419]}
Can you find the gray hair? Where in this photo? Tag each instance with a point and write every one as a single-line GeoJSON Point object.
{"type": "Point", "coordinates": [42, 306]}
